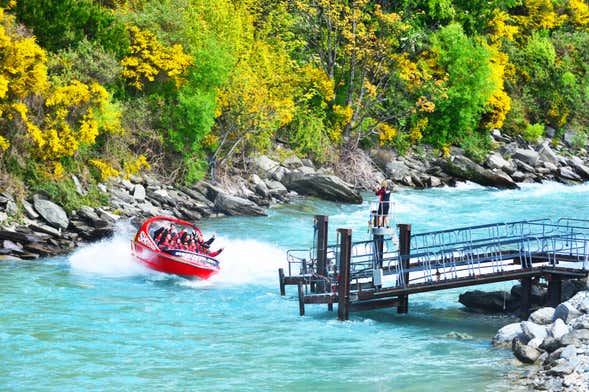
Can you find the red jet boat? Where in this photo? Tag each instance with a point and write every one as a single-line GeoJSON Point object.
{"type": "Point", "coordinates": [171, 261]}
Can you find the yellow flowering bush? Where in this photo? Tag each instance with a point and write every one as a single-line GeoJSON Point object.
{"type": "Point", "coordinates": [386, 133]}
{"type": "Point", "coordinates": [106, 170]}
{"type": "Point", "coordinates": [149, 59]}
{"type": "Point", "coordinates": [135, 166]}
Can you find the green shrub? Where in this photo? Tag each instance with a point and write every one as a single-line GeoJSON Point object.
{"type": "Point", "coordinates": [533, 132]}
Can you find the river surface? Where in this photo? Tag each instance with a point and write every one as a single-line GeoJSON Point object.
{"type": "Point", "coordinates": [96, 320]}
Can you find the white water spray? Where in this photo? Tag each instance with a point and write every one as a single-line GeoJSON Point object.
{"type": "Point", "coordinates": [243, 261]}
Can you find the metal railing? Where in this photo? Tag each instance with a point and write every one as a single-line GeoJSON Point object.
{"type": "Point", "coordinates": [461, 252]}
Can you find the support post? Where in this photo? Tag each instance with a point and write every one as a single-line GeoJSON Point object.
{"type": "Point", "coordinates": [281, 281]}
{"type": "Point", "coordinates": [554, 290]}
{"type": "Point", "coordinates": [524, 306]}
{"type": "Point", "coordinates": [345, 253]}
{"type": "Point", "coordinates": [404, 258]}
{"type": "Point", "coordinates": [378, 240]}
{"type": "Point", "coordinates": [301, 299]}
{"type": "Point", "coordinates": [321, 248]}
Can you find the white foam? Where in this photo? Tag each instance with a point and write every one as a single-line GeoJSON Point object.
{"type": "Point", "coordinates": [109, 257]}
{"type": "Point", "coordinates": [243, 261]}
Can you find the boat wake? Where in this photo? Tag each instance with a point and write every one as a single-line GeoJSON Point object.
{"type": "Point", "coordinates": [243, 261]}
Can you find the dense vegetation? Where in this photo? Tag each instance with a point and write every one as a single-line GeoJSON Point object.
{"type": "Point", "coordinates": [108, 87]}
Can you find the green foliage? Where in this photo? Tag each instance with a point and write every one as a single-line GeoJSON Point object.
{"type": "Point", "coordinates": [469, 86]}
{"type": "Point", "coordinates": [60, 24]}
{"type": "Point", "coordinates": [533, 132]}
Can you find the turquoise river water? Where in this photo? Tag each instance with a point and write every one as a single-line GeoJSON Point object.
{"type": "Point", "coordinates": [96, 320]}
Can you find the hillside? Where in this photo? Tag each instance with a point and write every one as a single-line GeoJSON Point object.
{"type": "Point", "coordinates": [187, 88]}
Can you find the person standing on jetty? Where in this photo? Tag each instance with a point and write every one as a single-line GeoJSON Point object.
{"type": "Point", "coordinates": [384, 194]}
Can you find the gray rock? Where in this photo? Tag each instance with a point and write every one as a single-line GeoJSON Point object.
{"type": "Point", "coordinates": [102, 188]}
{"type": "Point", "coordinates": [523, 352]}
{"type": "Point", "coordinates": [323, 186]}
{"type": "Point", "coordinates": [128, 185]}
{"type": "Point", "coordinates": [466, 169]}
{"type": "Point", "coordinates": [255, 179]}
{"type": "Point", "coordinates": [292, 162]}
{"type": "Point", "coordinates": [195, 194]}
{"type": "Point", "coordinates": [12, 246]}
{"type": "Point", "coordinates": [264, 165]}
{"type": "Point", "coordinates": [11, 207]}
{"type": "Point", "coordinates": [535, 343]}
{"type": "Point", "coordinates": [506, 334]}
{"type": "Point", "coordinates": [88, 214]}
{"type": "Point", "coordinates": [434, 182]}
{"type": "Point", "coordinates": [567, 173]}
{"type": "Point", "coordinates": [396, 170]}
{"type": "Point", "coordinates": [307, 170]}
{"type": "Point", "coordinates": [550, 344]}
{"type": "Point", "coordinates": [496, 161]}
{"type": "Point", "coordinates": [524, 166]}
{"type": "Point", "coordinates": [51, 212]}
{"type": "Point", "coordinates": [569, 353]}
{"type": "Point", "coordinates": [279, 173]}
{"type": "Point", "coordinates": [558, 329]}
{"type": "Point", "coordinates": [108, 216]}
{"type": "Point", "coordinates": [527, 156]}
{"type": "Point", "coordinates": [542, 316]}
{"type": "Point", "coordinates": [79, 189]}
{"type": "Point", "coordinates": [15, 236]}
{"type": "Point", "coordinates": [549, 131]}
{"type": "Point", "coordinates": [563, 367]}
{"type": "Point", "coordinates": [533, 330]}
{"type": "Point", "coordinates": [518, 176]}
{"type": "Point", "coordinates": [568, 138]}
{"type": "Point", "coordinates": [9, 258]}
{"type": "Point", "coordinates": [139, 193]}
{"type": "Point", "coordinates": [122, 195]}
{"type": "Point", "coordinates": [29, 210]}
{"type": "Point", "coordinates": [547, 154]}
{"type": "Point", "coordinates": [581, 322]}
{"type": "Point", "coordinates": [262, 189]}
{"type": "Point", "coordinates": [162, 196]}
{"type": "Point", "coordinates": [552, 168]}
{"type": "Point", "coordinates": [566, 312]}
{"type": "Point", "coordinates": [275, 188]}
{"type": "Point", "coordinates": [308, 163]}
{"type": "Point", "coordinates": [579, 167]}
{"type": "Point", "coordinates": [232, 205]}
{"type": "Point", "coordinates": [39, 228]}
{"type": "Point", "coordinates": [487, 302]}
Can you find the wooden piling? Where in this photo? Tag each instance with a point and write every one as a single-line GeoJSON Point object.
{"type": "Point", "coordinates": [281, 281]}
{"type": "Point", "coordinates": [524, 306]}
{"type": "Point", "coordinates": [301, 299]}
{"type": "Point", "coordinates": [554, 290]}
{"type": "Point", "coordinates": [404, 258]}
{"type": "Point", "coordinates": [345, 253]}
{"type": "Point", "coordinates": [321, 248]}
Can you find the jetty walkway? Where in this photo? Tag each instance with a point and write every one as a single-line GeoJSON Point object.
{"type": "Point", "coordinates": [384, 271]}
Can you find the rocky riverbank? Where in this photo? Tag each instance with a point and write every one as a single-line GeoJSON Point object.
{"type": "Point", "coordinates": [37, 227]}
{"type": "Point", "coordinates": [555, 341]}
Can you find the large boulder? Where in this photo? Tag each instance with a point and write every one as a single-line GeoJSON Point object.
{"type": "Point", "coordinates": [462, 167]}
{"type": "Point", "coordinates": [487, 302]}
{"type": "Point", "coordinates": [547, 154]}
{"type": "Point", "coordinates": [506, 334]}
{"type": "Point", "coordinates": [233, 205]}
{"type": "Point", "coordinates": [264, 165]}
{"type": "Point", "coordinates": [528, 156]}
{"type": "Point", "coordinates": [51, 212]}
{"type": "Point", "coordinates": [524, 353]}
{"type": "Point", "coordinates": [322, 186]}
{"type": "Point", "coordinates": [542, 316]}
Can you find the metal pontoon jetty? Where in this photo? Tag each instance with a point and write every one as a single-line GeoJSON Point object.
{"type": "Point", "coordinates": [379, 273]}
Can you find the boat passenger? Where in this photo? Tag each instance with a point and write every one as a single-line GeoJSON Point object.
{"type": "Point", "coordinates": [160, 234]}
{"type": "Point", "coordinates": [167, 242]}
{"type": "Point", "coordinates": [192, 245]}
{"type": "Point", "coordinates": [215, 253]}
{"type": "Point", "coordinates": [384, 194]}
